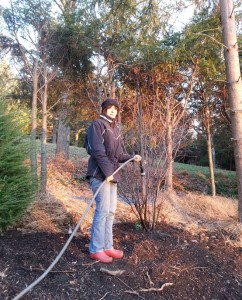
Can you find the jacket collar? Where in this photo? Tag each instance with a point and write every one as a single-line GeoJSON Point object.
{"type": "Point", "coordinates": [106, 118]}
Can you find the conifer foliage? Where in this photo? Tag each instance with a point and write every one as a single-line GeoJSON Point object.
{"type": "Point", "coordinates": [16, 186]}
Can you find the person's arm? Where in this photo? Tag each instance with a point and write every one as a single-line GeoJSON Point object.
{"type": "Point", "coordinates": [124, 157]}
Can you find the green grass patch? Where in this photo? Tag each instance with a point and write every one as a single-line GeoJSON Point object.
{"type": "Point", "coordinates": [74, 152]}
{"type": "Point", "coordinates": [225, 181]}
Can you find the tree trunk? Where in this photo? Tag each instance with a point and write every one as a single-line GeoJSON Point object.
{"type": "Point", "coordinates": [77, 133]}
{"type": "Point", "coordinates": [77, 138]}
{"type": "Point", "coordinates": [213, 152]}
{"type": "Point", "coordinates": [54, 133]}
{"type": "Point", "coordinates": [142, 153]}
{"type": "Point", "coordinates": [34, 123]}
{"type": "Point", "coordinates": [169, 159]}
{"type": "Point", "coordinates": [169, 147]}
{"type": "Point", "coordinates": [44, 134]}
{"type": "Point", "coordinates": [233, 75]}
{"type": "Point", "coordinates": [113, 96]}
{"type": "Point", "coordinates": [63, 141]}
{"type": "Point", "coordinates": [111, 84]}
{"type": "Point", "coordinates": [210, 160]}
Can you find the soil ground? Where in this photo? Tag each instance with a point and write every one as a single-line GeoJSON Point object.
{"type": "Point", "coordinates": [168, 263]}
{"type": "Point", "coordinates": [186, 267]}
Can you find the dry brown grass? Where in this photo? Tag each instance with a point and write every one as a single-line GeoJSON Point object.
{"type": "Point", "coordinates": [200, 213]}
{"type": "Point", "coordinates": [67, 198]}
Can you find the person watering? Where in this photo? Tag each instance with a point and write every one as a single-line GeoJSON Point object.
{"type": "Point", "coordinates": [104, 147]}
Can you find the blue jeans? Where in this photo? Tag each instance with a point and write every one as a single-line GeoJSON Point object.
{"type": "Point", "coordinates": [102, 225]}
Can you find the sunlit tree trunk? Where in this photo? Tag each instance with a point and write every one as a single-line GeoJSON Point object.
{"type": "Point", "coordinates": [210, 160]}
{"type": "Point", "coordinates": [77, 134]}
{"type": "Point", "coordinates": [207, 115]}
{"type": "Point", "coordinates": [110, 93]}
{"type": "Point", "coordinates": [233, 75]}
{"type": "Point", "coordinates": [44, 133]}
{"type": "Point", "coordinates": [169, 157]}
{"type": "Point", "coordinates": [34, 123]}
{"type": "Point", "coordinates": [111, 84]}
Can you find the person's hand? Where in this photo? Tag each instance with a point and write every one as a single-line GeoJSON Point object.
{"type": "Point", "coordinates": [137, 158]}
{"type": "Point", "coordinates": [109, 178]}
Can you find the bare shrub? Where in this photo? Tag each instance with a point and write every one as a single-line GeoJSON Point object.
{"type": "Point", "coordinates": [148, 135]}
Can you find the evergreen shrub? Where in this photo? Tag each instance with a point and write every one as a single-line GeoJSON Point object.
{"type": "Point", "coordinates": [17, 188]}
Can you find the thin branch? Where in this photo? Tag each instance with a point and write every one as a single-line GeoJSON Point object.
{"type": "Point", "coordinates": [41, 269]}
{"type": "Point", "coordinates": [56, 103]}
{"type": "Point", "coordinates": [61, 9]}
{"type": "Point", "coordinates": [150, 289]}
{"type": "Point", "coordinates": [150, 281]}
{"type": "Point", "coordinates": [200, 33]}
{"type": "Point", "coordinates": [211, 29]}
{"type": "Point", "coordinates": [104, 295]}
{"type": "Point", "coordinates": [113, 273]}
{"type": "Point", "coordinates": [130, 291]}
{"type": "Point", "coordinates": [19, 45]}
{"type": "Point", "coordinates": [231, 12]}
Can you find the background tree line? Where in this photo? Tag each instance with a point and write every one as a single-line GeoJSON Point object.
{"type": "Point", "coordinates": [71, 55]}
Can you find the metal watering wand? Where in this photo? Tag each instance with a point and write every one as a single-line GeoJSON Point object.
{"type": "Point", "coordinates": [72, 235]}
{"type": "Point", "coordinates": [142, 171]}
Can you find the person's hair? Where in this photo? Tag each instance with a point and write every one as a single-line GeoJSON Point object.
{"type": "Point", "coordinates": [110, 102]}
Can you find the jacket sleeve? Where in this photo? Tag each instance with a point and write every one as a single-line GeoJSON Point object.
{"type": "Point", "coordinates": [123, 157]}
{"type": "Point", "coordinates": [97, 149]}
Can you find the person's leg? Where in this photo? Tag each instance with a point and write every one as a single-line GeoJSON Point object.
{"type": "Point", "coordinates": [108, 242]}
{"type": "Point", "coordinates": [99, 221]}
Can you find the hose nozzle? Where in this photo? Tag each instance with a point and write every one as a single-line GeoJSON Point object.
{"type": "Point", "coordinates": [142, 171]}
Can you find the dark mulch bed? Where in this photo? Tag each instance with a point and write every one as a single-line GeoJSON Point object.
{"type": "Point", "coordinates": [199, 267]}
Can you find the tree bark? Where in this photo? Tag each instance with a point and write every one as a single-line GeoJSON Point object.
{"type": "Point", "coordinates": [63, 140]}
{"type": "Point", "coordinates": [142, 153]}
{"type": "Point", "coordinates": [234, 83]}
{"type": "Point", "coordinates": [34, 123]}
{"type": "Point", "coordinates": [213, 152]}
{"type": "Point", "coordinates": [210, 160]}
{"type": "Point", "coordinates": [111, 84]}
{"type": "Point", "coordinates": [44, 134]}
{"type": "Point", "coordinates": [54, 133]}
{"type": "Point", "coordinates": [169, 147]}
{"type": "Point", "coordinates": [169, 157]}
{"type": "Point", "coordinates": [77, 133]}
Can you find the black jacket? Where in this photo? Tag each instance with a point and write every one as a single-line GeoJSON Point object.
{"type": "Point", "coordinates": [104, 143]}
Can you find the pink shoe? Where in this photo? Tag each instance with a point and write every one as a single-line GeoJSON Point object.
{"type": "Point", "coordinates": [114, 253]}
{"type": "Point", "coordinates": [102, 257]}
